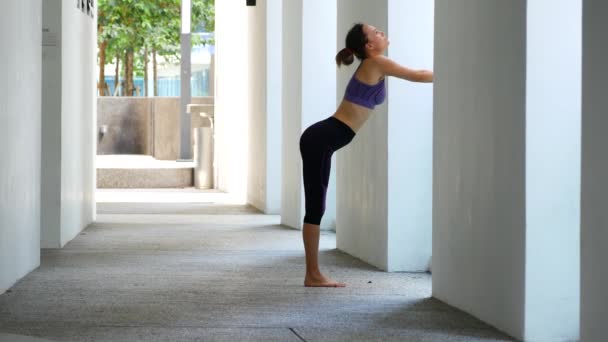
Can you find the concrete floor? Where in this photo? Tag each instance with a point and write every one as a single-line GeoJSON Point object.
{"type": "Point", "coordinates": [205, 272]}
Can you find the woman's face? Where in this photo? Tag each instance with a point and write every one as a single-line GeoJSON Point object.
{"type": "Point", "coordinates": [376, 39]}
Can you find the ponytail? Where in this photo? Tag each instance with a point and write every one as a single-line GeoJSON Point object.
{"type": "Point", "coordinates": [345, 56]}
{"type": "Point", "coordinates": [355, 46]}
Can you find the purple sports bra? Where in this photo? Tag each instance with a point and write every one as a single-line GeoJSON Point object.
{"type": "Point", "coordinates": [364, 94]}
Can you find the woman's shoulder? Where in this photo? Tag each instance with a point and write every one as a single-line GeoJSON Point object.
{"type": "Point", "coordinates": [373, 67]}
{"type": "Point", "coordinates": [379, 60]}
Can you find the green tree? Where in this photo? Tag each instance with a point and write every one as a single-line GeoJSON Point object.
{"type": "Point", "coordinates": [134, 29]}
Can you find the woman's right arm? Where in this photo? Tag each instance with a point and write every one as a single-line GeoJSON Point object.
{"type": "Point", "coordinates": [392, 68]}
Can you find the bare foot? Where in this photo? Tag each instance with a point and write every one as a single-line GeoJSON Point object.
{"type": "Point", "coordinates": [321, 281]}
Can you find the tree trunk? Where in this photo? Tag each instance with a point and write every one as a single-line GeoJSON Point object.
{"type": "Point", "coordinates": [129, 88]}
{"type": "Point", "coordinates": [146, 72]}
{"type": "Point", "coordinates": [117, 75]}
{"type": "Point", "coordinates": [101, 84]}
{"type": "Point", "coordinates": [131, 73]}
{"type": "Point", "coordinates": [155, 76]}
{"type": "Point", "coordinates": [124, 91]}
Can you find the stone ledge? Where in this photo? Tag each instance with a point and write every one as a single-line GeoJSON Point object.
{"type": "Point", "coordinates": [128, 178]}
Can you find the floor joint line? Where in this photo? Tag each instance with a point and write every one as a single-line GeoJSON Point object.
{"type": "Point", "coordinates": [295, 333]}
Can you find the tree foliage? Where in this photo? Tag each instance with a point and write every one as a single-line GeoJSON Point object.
{"type": "Point", "coordinates": [130, 27]}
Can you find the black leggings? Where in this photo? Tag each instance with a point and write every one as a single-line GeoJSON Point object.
{"type": "Point", "coordinates": [317, 144]}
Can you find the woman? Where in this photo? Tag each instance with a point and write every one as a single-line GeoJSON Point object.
{"type": "Point", "coordinates": [319, 141]}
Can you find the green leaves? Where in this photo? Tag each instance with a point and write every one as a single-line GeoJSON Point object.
{"type": "Point", "coordinates": [155, 24]}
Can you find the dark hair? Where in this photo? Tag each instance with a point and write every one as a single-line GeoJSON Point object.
{"type": "Point", "coordinates": [355, 46]}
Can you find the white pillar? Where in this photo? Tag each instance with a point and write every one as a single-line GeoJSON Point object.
{"type": "Point", "coordinates": [69, 122]}
{"type": "Point", "coordinates": [309, 48]}
{"type": "Point", "coordinates": [594, 223]}
{"type": "Point", "coordinates": [274, 94]}
{"type": "Point", "coordinates": [264, 180]}
{"type": "Point", "coordinates": [20, 141]}
{"type": "Point", "coordinates": [231, 97]}
{"type": "Point", "coordinates": [384, 175]}
{"type": "Point", "coordinates": [506, 164]}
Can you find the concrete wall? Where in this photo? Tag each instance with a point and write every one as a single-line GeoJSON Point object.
{"type": "Point", "coordinates": [264, 180]}
{"type": "Point", "coordinates": [506, 164]}
{"type": "Point", "coordinates": [232, 97]}
{"type": "Point", "coordinates": [20, 103]}
{"type": "Point", "coordinates": [308, 82]}
{"type": "Point", "coordinates": [143, 125]}
{"type": "Point", "coordinates": [594, 210]}
{"type": "Point", "coordinates": [129, 123]}
{"type": "Point", "coordinates": [165, 123]}
{"type": "Point", "coordinates": [71, 146]}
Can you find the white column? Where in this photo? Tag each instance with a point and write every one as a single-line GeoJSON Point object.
{"type": "Point", "coordinates": [309, 48]}
{"type": "Point", "coordinates": [274, 109]}
{"type": "Point", "coordinates": [231, 97]}
{"type": "Point", "coordinates": [69, 122]}
{"type": "Point", "coordinates": [594, 228]}
{"type": "Point", "coordinates": [20, 141]}
{"type": "Point", "coordinates": [506, 164]}
{"type": "Point", "coordinates": [264, 180]}
{"type": "Point", "coordinates": [384, 175]}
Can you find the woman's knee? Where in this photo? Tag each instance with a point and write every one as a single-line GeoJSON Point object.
{"type": "Point", "coordinates": [313, 217]}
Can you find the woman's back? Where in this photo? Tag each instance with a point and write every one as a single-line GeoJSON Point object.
{"type": "Point", "coordinates": [365, 89]}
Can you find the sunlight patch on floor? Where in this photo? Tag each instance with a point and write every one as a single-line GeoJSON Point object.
{"type": "Point", "coordinates": [185, 195]}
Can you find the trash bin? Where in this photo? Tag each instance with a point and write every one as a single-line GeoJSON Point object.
{"type": "Point", "coordinates": [203, 146]}
{"type": "Point", "coordinates": [203, 154]}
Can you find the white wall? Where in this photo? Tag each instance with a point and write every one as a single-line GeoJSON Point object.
{"type": "Point", "coordinates": [20, 57]}
{"type": "Point", "coordinates": [264, 180]}
{"type": "Point", "coordinates": [553, 143]}
{"type": "Point", "coordinates": [384, 175]}
{"type": "Point", "coordinates": [292, 199]}
{"type": "Point", "coordinates": [506, 164]}
{"type": "Point", "coordinates": [257, 40]}
{"type": "Point", "coordinates": [410, 138]}
{"type": "Point", "coordinates": [594, 210]}
{"type": "Point", "coordinates": [362, 166]}
{"type": "Point", "coordinates": [78, 120]}
{"type": "Point", "coordinates": [232, 97]}
{"type": "Point", "coordinates": [479, 159]}
{"type": "Point", "coordinates": [69, 119]}
{"type": "Point", "coordinates": [274, 105]}
{"type": "Point", "coordinates": [308, 82]}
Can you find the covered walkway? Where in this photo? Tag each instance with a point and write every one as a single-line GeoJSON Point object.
{"type": "Point", "coordinates": [218, 272]}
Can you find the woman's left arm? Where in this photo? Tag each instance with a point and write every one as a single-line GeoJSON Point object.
{"type": "Point", "coordinates": [392, 68]}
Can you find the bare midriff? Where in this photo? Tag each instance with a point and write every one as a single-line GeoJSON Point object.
{"type": "Point", "coordinates": [352, 114]}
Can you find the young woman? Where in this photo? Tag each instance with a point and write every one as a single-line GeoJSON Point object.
{"type": "Point", "coordinates": [365, 90]}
